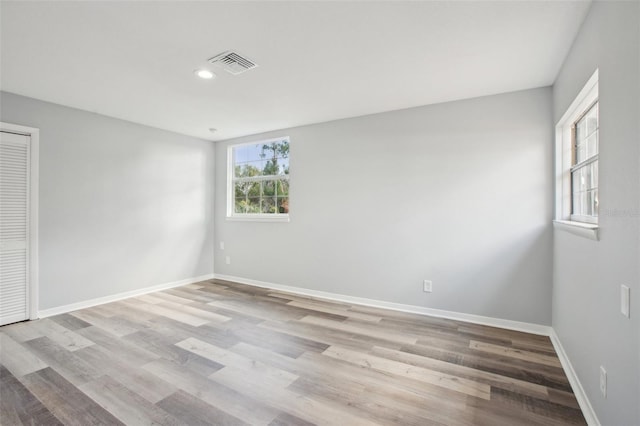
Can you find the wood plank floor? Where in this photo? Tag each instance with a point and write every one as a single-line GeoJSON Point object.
{"type": "Point", "coordinates": [223, 353]}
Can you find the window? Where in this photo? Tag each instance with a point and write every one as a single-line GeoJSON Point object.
{"type": "Point", "coordinates": [577, 147]}
{"type": "Point", "coordinates": [584, 172]}
{"type": "Point", "coordinates": [258, 180]}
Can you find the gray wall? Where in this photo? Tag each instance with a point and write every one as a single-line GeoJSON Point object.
{"type": "Point", "coordinates": [122, 206]}
{"type": "Point", "coordinates": [459, 193]}
{"type": "Point", "coordinates": [588, 274]}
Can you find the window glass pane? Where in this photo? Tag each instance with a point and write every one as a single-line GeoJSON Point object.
{"type": "Point", "coordinates": [581, 130]}
{"type": "Point", "coordinates": [283, 204]}
{"type": "Point", "coordinates": [239, 155]}
{"type": "Point", "coordinates": [578, 178]}
{"type": "Point", "coordinates": [240, 190]}
{"type": "Point", "coordinates": [240, 205]}
{"type": "Point", "coordinates": [587, 182]}
{"type": "Point", "coordinates": [584, 185]}
{"type": "Point", "coordinates": [283, 188]}
{"type": "Point", "coordinates": [587, 176]}
{"type": "Point", "coordinates": [577, 203]}
{"type": "Point", "coordinates": [592, 145]}
{"type": "Point", "coordinates": [253, 189]}
{"type": "Point", "coordinates": [581, 151]}
{"type": "Point", "coordinates": [579, 186]}
{"type": "Point", "coordinates": [246, 154]}
{"type": "Point", "coordinates": [592, 120]}
{"type": "Point", "coordinates": [247, 204]}
{"type": "Point", "coordinates": [575, 181]}
{"type": "Point", "coordinates": [247, 189]}
{"type": "Point", "coordinates": [251, 152]}
{"type": "Point", "coordinates": [586, 143]}
{"type": "Point", "coordinates": [268, 205]}
{"type": "Point", "coordinates": [269, 188]}
{"type": "Point", "coordinates": [588, 205]}
{"type": "Point", "coordinates": [284, 166]}
{"type": "Point", "coordinates": [593, 188]}
{"type": "Point", "coordinates": [249, 168]}
{"type": "Point", "coordinates": [253, 205]}
{"type": "Point", "coordinates": [262, 159]}
{"type": "Point", "coordinates": [276, 156]}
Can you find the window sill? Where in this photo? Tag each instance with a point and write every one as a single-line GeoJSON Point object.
{"type": "Point", "coordinates": [585, 230]}
{"type": "Point", "coordinates": [259, 218]}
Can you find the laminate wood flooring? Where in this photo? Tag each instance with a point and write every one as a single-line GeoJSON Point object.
{"type": "Point", "coordinates": [221, 353]}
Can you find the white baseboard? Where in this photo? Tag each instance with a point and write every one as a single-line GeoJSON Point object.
{"type": "Point", "coordinates": [543, 330]}
{"type": "Point", "coordinates": [119, 296]}
{"type": "Point", "coordinates": [578, 390]}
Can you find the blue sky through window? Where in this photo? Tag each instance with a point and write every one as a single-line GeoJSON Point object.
{"type": "Point", "coordinates": [252, 155]}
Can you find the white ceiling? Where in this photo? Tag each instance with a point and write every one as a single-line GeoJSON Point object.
{"type": "Point", "coordinates": [318, 61]}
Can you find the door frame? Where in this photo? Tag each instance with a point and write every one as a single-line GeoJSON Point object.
{"type": "Point", "coordinates": [34, 169]}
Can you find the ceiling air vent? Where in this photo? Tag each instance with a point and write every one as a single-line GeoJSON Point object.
{"type": "Point", "coordinates": [233, 62]}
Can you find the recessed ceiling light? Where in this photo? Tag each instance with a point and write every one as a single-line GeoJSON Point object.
{"type": "Point", "coordinates": [205, 74]}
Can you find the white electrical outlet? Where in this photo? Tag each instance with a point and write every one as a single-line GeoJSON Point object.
{"type": "Point", "coordinates": [227, 260]}
{"type": "Point", "coordinates": [427, 286]}
{"type": "Point", "coordinates": [603, 381]}
{"type": "Point", "coordinates": [221, 245]}
{"type": "Point", "coordinates": [624, 300]}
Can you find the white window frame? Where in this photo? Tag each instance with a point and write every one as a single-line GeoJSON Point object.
{"type": "Point", "coordinates": [577, 166]}
{"type": "Point", "coordinates": [251, 217]}
{"type": "Point", "coordinates": [583, 226]}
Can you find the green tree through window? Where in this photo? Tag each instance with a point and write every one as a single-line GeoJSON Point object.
{"type": "Point", "coordinates": [261, 177]}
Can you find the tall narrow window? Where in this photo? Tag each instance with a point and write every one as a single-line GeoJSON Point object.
{"type": "Point", "coordinates": [577, 147]}
{"type": "Point", "coordinates": [584, 172]}
{"type": "Point", "coordinates": [258, 180]}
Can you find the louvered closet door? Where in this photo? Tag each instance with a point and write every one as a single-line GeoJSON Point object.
{"type": "Point", "coordinates": [14, 227]}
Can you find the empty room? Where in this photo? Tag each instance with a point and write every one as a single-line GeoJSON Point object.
{"type": "Point", "coordinates": [320, 213]}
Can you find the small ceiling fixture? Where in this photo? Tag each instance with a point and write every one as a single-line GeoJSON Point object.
{"type": "Point", "coordinates": [213, 129]}
{"type": "Point", "coordinates": [204, 74]}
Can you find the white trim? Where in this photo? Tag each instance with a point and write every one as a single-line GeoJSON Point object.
{"type": "Point", "coordinates": [543, 330]}
{"type": "Point", "coordinates": [261, 141]}
{"type": "Point", "coordinates": [587, 410]}
{"type": "Point", "coordinates": [247, 217]}
{"type": "Point", "coordinates": [34, 177]}
{"type": "Point", "coordinates": [586, 230]}
{"type": "Point", "coordinates": [34, 229]}
{"type": "Point", "coordinates": [230, 190]}
{"type": "Point", "coordinates": [261, 178]}
{"type": "Point", "coordinates": [587, 220]}
{"type": "Point", "coordinates": [119, 296]}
